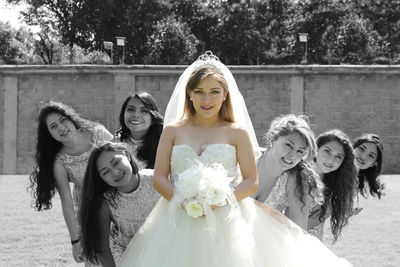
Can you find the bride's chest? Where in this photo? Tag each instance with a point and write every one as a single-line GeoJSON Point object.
{"type": "Point", "coordinates": [183, 156]}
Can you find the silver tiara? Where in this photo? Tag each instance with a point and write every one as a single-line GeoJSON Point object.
{"type": "Point", "coordinates": [208, 56]}
{"type": "Point", "coordinates": [208, 59]}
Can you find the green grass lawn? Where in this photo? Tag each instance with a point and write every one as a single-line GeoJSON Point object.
{"type": "Point", "coordinates": [31, 238]}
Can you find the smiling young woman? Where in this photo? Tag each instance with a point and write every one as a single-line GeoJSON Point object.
{"type": "Point", "coordinates": [140, 127]}
{"type": "Point", "coordinates": [64, 142]}
{"type": "Point", "coordinates": [287, 181]}
{"type": "Point", "coordinates": [335, 165]}
{"type": "Point", "coordinates": [369, 156]}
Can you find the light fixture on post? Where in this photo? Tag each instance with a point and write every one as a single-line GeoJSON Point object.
{"type": "Point", "coordinates": [303, 38]}
{"type": "Point", "coordinates": [121, 41]}
{"type": "Point", "coordinates": [109, 46]}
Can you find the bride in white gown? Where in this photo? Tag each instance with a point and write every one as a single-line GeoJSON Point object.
{"type": "Point", "coordinates": [210, 124]}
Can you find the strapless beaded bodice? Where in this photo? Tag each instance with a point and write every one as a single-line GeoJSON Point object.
{"type": "Point", "coordinates": [183, 157]}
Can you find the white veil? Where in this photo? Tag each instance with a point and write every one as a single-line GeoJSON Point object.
{"type": "Point", "coordinates": [175, 107]}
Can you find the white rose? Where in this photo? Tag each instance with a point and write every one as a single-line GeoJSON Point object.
{"type": "Point", "coordinates": [193, 209]}
{"type": "Point", "coordinates": [217, 196]}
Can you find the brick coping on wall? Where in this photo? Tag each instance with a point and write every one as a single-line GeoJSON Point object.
{"type": "Point", "coordinates": [177, 69]}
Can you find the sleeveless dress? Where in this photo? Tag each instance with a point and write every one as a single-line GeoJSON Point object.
{"type": "Point", "coordinates": [129, 211]}
{"type": "Point", "coordinates": [317, 231]}
{"type": "Point", "coordinates": [75, 165]}
{"type": "Point", "coordinates": [254, 236]}
{"type": "Point", "coordinates": [278, 197]}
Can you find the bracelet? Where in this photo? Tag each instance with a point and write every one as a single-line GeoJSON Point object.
{"type": "Point", "coordinates": [73, 242]}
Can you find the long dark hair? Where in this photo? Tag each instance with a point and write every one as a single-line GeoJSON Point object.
{"type": "Point", "coordinates": [94, 192]}
{"type": "Point", "coordinates": [42, 181]}
{"type": "Point", "coordinates": [371, 175]}
{"type": "Point", "coordinates": [340, 184]}
{"type": "Point", "coordinates": [147, 151]}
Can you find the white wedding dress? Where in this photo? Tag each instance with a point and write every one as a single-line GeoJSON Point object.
{"type": "Point", "coordinates": [256, 235]}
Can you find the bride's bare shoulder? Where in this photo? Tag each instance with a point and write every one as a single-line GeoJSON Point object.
{"type": "Point", "coordinates": [237, 133]}
{"type": "Point", "coordinates": [235, 128]}
{"type": "Point", "coordinates": [176, 127]}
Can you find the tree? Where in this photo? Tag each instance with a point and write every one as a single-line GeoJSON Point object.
{"type": "Point", "coordinates": [133, 19]}
{"type": "Point", "coordinates": [16, 45]}
{"type": "Point", "coordinates": [384, 17]}
{"type": "Point", "coordinates": [67, 16]}
{"type": "Point", "coordinates": [171, 43]}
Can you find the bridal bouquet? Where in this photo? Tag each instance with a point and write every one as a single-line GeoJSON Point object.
{"type": "Point", "coordinates": [202, 186]}
{"type": "Point", "coordinates": [199, 187]}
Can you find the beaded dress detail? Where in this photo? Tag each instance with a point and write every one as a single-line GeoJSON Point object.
{"type": "Point", "coordinates": [129, 211]}
{"type": "Point", "coordinates": [278, 198]}
{"type": "Point", "coordinates": [75, 165]}
{"type": "Point", "coordinates": [132, 146]}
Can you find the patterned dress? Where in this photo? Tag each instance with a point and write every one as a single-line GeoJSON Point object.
{"type": "Point", "coordinates": [132, 146]}
{"type": "Point", "coordinates": [317, 231]}
{"type": "Point", "coordinates": [278, 198]}
{"type": "Point", "coordinates": [129, 211]}
{"type": "Point", "coordinates": [75, 165]}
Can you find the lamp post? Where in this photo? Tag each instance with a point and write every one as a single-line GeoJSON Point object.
{"type": "Point", "coordinates": [303, 38]}
{"type": "Point", "coordinates": [109, 46]}
{"type": "Point", "coordinates": [121, 41]}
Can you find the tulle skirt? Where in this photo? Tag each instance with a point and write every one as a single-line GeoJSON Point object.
{"type": "Point", "coordinates": [256, 236]}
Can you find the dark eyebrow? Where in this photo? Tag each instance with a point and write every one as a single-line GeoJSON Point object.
{"type": "Point", "coordinates": [131, 106]}
{"type": "Point", "coordinates": [102, 169]}
{"type": "Point", "coordinates": [293, 143]}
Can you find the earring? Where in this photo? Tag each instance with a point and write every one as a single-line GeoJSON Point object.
{"type": "Point", "coordinates": [191, 99]}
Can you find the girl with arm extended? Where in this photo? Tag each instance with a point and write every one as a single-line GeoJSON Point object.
{"type": "Point", "coordinates": [64, 141]}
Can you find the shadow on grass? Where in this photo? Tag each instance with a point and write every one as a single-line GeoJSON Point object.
{"type": "Point", "coordinates": [31, 238]}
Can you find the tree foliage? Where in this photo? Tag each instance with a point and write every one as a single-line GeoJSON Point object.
{"type": "Point", "coordinates": [238, 31]}
{"type": "Point", "coordinates": [16, 45]}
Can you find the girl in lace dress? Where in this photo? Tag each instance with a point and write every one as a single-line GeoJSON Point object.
{"type": "Point", "coordinates": [140, 127]}
{"type": "Point", "coordinates": [113, 191]}
{"type": "Point", "coordinates": [335, 165]}
{"type": "Point", "coordinates": [209, 127]}
{"type": "Point", "coordinates": [287, 182]}
{"type": "Point", "coordinates": [368, 150]}
{"type": "Point", "coordinates": [64, 142]}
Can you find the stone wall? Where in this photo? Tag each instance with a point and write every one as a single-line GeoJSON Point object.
{"type": "Point", "coordinates": [355, 99]}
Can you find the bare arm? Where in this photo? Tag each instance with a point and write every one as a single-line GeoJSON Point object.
{"type": "Point", "coordinates": [297, 211]}
{"type": "Point", "coordinates": [105, 255]}
{"type": "Point", "coordinates": [62, 185]}
{"type": "Point", "coordinates": [266, 181]}
{"type": "Point", "coordinates": [314, 221]}
{"type": "Point", "coordinates": [162, 165]}
{"type": "Point", "coordinates": [247, 164]}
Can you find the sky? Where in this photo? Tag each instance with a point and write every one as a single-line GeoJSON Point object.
{"type": "Point", "coordinates": [10, 13]}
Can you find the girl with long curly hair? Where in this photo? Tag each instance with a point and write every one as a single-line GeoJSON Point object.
{"type": "Point", "coordinates": [141, 125]}
{"type": "Point", "coordinates": [335, 165]}
{"type": "Point", "coordinates": [287, 181]}
{"type": "Point", "coordinates": [64, 142]}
